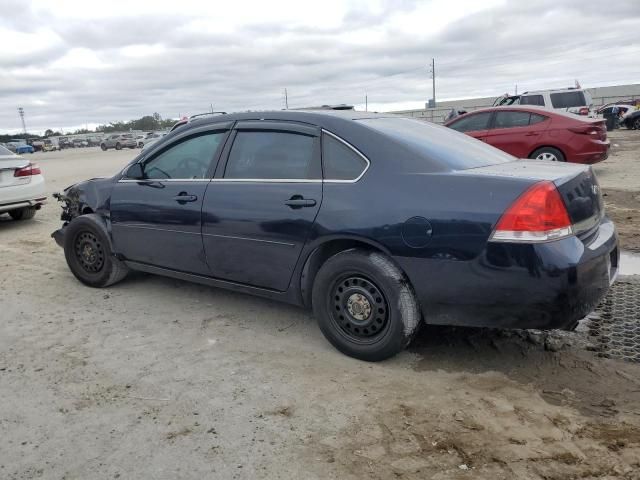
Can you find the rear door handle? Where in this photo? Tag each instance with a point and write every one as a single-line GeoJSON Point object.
{"type": "Point", "coordinates": [298, 201]}
{"type": "Point", "coordinates": [184, 197]}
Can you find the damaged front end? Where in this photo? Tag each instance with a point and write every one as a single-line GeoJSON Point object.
{"type": "Point", "coordinates": [70, 205]}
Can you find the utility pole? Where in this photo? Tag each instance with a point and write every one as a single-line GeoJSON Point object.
{"type": "Point", "coordinates": [21, 113]}
{"type": "Point", "coordinates": [433, 77]}
{"type": "Point", "coordinates": [286, 100]}
{"type": "Point", "coordinates": [211, 105]}
{"type": "Point", "coordinates": [366, 103]}
{"type": "Point", "coordinates": [516, 89]}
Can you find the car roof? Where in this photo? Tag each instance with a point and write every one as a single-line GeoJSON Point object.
{"type": "Point", "coordinates": [526, 108]}
{"type": "Point", "coordinates": [321, 118]}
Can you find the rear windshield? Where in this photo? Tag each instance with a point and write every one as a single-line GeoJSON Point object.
{"type": "Point", "coordinates": [5, 151]}
{"type": "Point", "coordinates": [568, 100]}
{"type": "Point", "coordinates": [443, 145]}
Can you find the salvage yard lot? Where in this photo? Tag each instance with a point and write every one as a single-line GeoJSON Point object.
{"type": "Point", "coordinates": [158, 378]}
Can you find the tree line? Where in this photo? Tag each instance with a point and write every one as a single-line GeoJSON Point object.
{"type": "Point", "coordinates": [145, 123]}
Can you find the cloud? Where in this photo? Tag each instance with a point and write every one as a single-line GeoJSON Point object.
{"type": "Point", "coordinates": [71, 64]}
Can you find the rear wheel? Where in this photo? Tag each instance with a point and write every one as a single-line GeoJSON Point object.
{"type": "Point", "coordinates": [364, 305]}
{"type": "Point", "coordinates": [118, 146]}
{"type": "Point", "coordinates": [23, 213]}
{"type": "Point", "coordinates": [636, 124]}
{"type": "Point", "coordinates": [88, 253]}
{"type": "Point", "coordinates": [549, 154]}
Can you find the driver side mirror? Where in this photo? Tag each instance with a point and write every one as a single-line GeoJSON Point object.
{"type": "Point", "coordinates": [135, 172]}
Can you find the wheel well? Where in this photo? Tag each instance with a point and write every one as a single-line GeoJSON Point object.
{"type": "Point", "coordinates": [86, 210]}
{"type": "Point", "coordinates": [320, 255]}
{"type": "Point", "coordinates": [549, 146]}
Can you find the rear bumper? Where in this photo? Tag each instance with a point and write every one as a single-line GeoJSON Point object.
{"type": "Point", "coordinates": [595, 151]}
{"type": "Point", "coordinates": [32, 194]}
{"type": "Point", "coordinates": [543, 286]}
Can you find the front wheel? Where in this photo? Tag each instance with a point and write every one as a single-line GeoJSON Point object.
{"type": "Point", "coordinates": [364, 305]}
{"type": "Point", "coordinates": [25, 213]}
{"type": "Point", "coordinates": [103, 147]}
{"type": "Point", "coordinates": [636, 124]}
{"type": "Point", "coordinates": [118, 146]}
{"type": "Point", "coordinates": [549, 154]}
{"type": "Point", "coordinates": [88, 253]}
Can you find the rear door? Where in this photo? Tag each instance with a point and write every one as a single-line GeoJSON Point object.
{"type": "Point", "coordinates": [475, 125]}
{"type": "Point", "coordinates": [157, 220]}
{"type": "Point", "coordinates": [516, 132]}
{"type": "Point", "coordinates": [259, 209]}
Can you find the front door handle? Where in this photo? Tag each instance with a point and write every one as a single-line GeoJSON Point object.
{"type": "Point", "coordinates": [184, 197]}
{"type": "Point", "coordinates": [298, 201]}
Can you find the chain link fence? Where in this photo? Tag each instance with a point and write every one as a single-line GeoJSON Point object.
{"type": "Point", "coordinates": [614, 327]}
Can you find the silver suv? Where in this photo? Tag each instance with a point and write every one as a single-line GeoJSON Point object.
{"type": "Point", "coordinates": [118, 141]}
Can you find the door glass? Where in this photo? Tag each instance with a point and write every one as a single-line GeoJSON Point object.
{"type": "Point", "coordinates": [340, 162]}
{"type": "Point", "coordinates": [189, 159]}
{"type": "Point", "coordinates": [532, 100]}
{"type": "Point", "coordinates": [271, 155]}
{"type": "Point", "coordinates": [535, 118]}
{"type": "Point", "coordinates": [510, 119]}
{"type": "Point", "coordinates": [476, 121]}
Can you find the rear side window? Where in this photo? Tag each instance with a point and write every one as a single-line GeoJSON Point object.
{"type": "Point", "coordinates": [470, 123]}
{"type": "Point", "coordinates": [535, 118]}
{"type": "Point", "coordinates": [339, 162]}
{"type": "Point", "coordinates": [271, 156]}
{"type": "Point", "coordinates": [532, 100]}
{"type": "Point", "coordinates": [511, 119]}
{"type": "Point", "coordinates": [568, 100]}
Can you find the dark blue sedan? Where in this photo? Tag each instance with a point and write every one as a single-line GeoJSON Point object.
{"type": "Point", "coordinates": [376, 222]}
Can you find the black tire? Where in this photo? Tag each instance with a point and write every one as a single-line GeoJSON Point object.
{"type": "Point", "coordinates": [548, 152]}
{"type": "Point", "coordinates": [636, 124]}
{"type": "Point", "coordinates": [87, 250]}
{"type": "Point", "coordinates": [103, 147]}
{"type": "Point", "coordinates": [365, 305]}
{"type": "Point", "coordinates": [25, 213]}
{"type": "Point", "coordinates": [118, 146]}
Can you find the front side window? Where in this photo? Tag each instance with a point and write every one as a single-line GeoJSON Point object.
{"type": "Point", "coordinates": [189, 159]}
{"type": "Point", "coordinates": [269, 155]}
{"type": "Point", "coordinates": [511, 119]}
{"type": "Point", "coordinates": [476, 121]}
{"type": "Point", "coordinates": [568, 100]}
{"type": "Point", "coordinates": [339, 162]}
{"type": "Point", "coordinates": [532, 100]}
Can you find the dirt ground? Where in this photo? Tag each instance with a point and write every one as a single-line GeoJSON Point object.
{"type": "Point", "coordinates": [158, 378]}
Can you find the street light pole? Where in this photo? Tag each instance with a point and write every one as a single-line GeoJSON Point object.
{"type": "Point", "coordinates": [21, 113]}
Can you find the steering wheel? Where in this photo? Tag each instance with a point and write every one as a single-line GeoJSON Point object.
{"type": "Point", "coordinates": [190, 165]}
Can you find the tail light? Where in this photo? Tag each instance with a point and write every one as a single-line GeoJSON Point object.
{"type": "Point", "coordinates": [29, 170]}
{"type": "Point", "coordinates": [538, 215]}
{"type": "Point", "coordinates": [597, 129]}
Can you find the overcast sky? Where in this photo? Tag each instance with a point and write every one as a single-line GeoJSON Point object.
{"type": "Point", "coordinates": [74, 62]}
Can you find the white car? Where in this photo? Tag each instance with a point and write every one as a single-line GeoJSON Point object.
{"type": "Point", "coordinates": [573, 100]}
{"type": "Point", "coordinates": [22, 188]}
{"type": "Point", "coordinates": [149, 139]}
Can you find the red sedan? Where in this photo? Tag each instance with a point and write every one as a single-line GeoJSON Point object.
{"type": "Point", "coordinates": [530, 132]}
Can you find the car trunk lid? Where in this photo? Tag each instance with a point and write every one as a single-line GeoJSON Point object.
{"type": "Point", "coordinates": [576, 184]}
{"type": "Point", "coordinates": [8, 166]}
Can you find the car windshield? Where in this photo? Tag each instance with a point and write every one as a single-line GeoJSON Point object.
{"type": "Point", "coordinates": [446, 146]}
{"type": "Point", "coordinates": [5, 151]}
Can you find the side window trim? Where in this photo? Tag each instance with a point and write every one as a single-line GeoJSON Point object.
{"type": "Point", "coordinates": [352, 148]}
{"type": "Point", "coordinates": [265, 126]}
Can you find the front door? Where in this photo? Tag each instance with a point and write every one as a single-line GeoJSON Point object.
{"type": "Point", "coordinates": [258, 211]}
{"type": "Point", "coordinates": [156, 220]}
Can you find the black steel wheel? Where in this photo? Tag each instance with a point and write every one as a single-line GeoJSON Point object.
{"type": "Point", "coordinates": [87, 249]}
{"type": "Point", "coordinates": [89, 252]}
{"type": "Point", "coordinates": [359, 309]}
{"type": "Point", "coordinates": [365, 305]}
